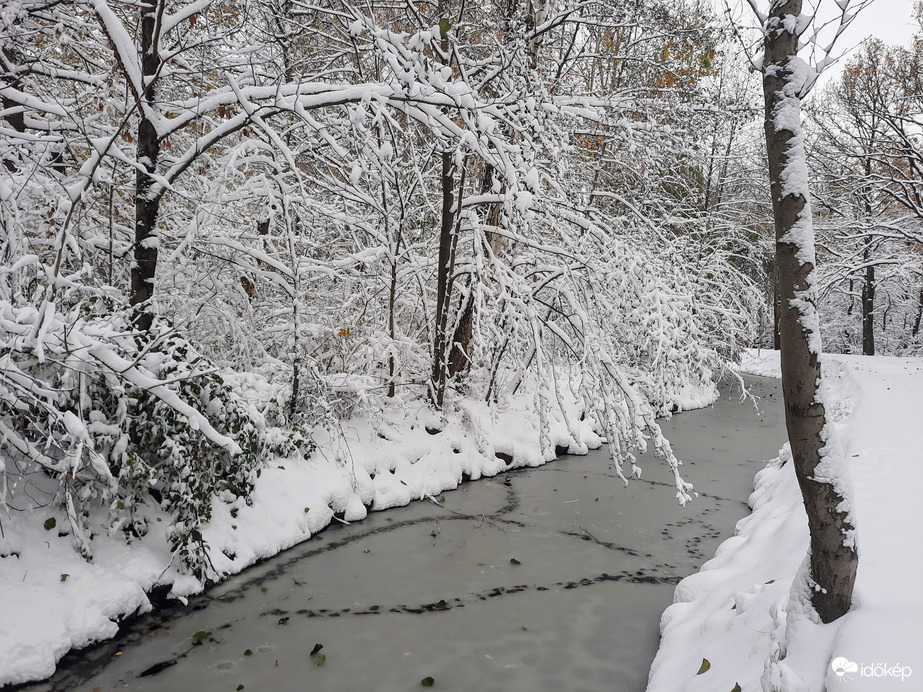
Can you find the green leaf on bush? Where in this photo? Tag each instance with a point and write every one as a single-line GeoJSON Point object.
{"type": "Point", "coordinates": [317, 647]}
{"type": "Point", "coordinates": [321, 660]}
{"type": "Point", "coordinates": [200, 635]}
{"type": "Point", "coordinates": [50, 523]}
{"type": "Point", "coordinates": [514, 561]}
{"type": "Point", "coordinates": [704, 667]}
{"type": "Point", "coordinates": [64, 576]}
{"type": "Point", "coordinates": [737, 688]}
{"type": "Point", "coordinates": [239, 688]}
{"type": "Point", "coordinates": [428, 681]}
{"type": "Point", "coordinates": [248, 653]}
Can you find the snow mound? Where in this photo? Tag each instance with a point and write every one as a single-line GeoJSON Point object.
{"type": "Point", "coordinates": [745, 612]}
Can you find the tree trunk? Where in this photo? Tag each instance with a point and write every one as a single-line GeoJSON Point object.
{"type": "Point", "coordinates": [147, 200]}
{"type": "Point", "coordinates": [832, 563]}
{"type": "Point", "coordinates": [448, 240]}
{"type": "Point", "coordinates": [445, 270]}
{"type": "Point", "coordinates": [868, 306]}
{"type": "Point", "coordinates": [538, 13]}
{"type": "Point", "coordinates": [776, 309]}
{"type": "Point", "coordinates": [916, 323]}
{"type": "Point", "coordinates": [392, 331]}
{"type": "Point", "coordinates": [463, 339]}
{"type": "Point", "coordinates": [14, 118]}
{"type": "Point", "coordinates": [462, 342]}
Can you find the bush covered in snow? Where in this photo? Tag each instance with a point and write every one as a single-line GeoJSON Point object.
{"type": "Point", "coordinates": [93, 417]}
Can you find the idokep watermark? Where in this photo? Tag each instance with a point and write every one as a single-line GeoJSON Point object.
{"type": "Point", "coordinates": [845, 668]}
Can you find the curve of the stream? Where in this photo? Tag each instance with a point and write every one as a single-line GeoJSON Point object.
{"type": "Point", "coordinates": [551, 578]}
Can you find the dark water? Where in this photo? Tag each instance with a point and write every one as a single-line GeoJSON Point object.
{"type": "Point", "coordinates": [539, 579]}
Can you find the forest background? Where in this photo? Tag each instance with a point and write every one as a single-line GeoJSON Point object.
{"type": "Point", "coordinates": [227, 227]}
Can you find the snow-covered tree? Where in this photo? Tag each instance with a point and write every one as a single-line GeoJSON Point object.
{"type": "Point", "coordinates": [359, 206]}
{"type": "Point", "coordinates": [817, 455]}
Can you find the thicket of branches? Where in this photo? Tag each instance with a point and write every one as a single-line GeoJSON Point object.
{"type": "Point", "coordinates": [868, 159]}
{"type": "Point", "coordinates": [352, 204]}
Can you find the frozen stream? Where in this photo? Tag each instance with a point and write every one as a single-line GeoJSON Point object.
{"type": "Point", "coordinates": [551, 578]}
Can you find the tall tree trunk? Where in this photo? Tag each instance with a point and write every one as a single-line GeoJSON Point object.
{"type": "Point", "coordinates": [776, 309]}
{"type": "Point", "coordinates": [868, 305]}
{"type": "Point", "coordinates": [832, 563]}
{"type": "Point", "coordinates": [392, 330]}
{"type": "Point", "coordinates": [448, 241]}
{"type": "Point", "coordinates": [147, 200]}
{"type": "Point", "coordinates": [868, 310]}
{"type": "Point", "coordinates": [463, 338]}
{"type": "Point", "coordinates": [868, 286]}
{"type": "Point", "coordinates": [444, 272]}
{"type": "Point", "coordinates": [916, 323]}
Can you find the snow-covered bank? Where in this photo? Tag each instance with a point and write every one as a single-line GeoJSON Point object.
{"type": "Point", "coordinates": [51, 600]}
{"type": "Point", "coordinates": [737, 613]}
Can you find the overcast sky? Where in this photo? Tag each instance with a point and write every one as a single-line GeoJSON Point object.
{"type": "Point", "coordinates": [889, 20]}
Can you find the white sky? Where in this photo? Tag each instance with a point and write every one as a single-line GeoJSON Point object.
{"type": "Point", "coordinates": [889, 20]}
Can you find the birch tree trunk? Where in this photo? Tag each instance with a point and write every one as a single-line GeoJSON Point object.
{"type": "Point", "coordinates": [833, 560]}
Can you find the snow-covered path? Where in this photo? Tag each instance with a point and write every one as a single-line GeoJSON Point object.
{"type": "Point", "coordinates": [431, 590]}
{"type": "Point", "coordinates": [737, 613]}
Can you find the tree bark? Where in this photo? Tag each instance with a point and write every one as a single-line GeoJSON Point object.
{"type": "Point", "coordinates": [776, 309]}
{"type": "Point", "coordinates": [916, 323]}
{"type": "Point", "coordinates": [832, 563]}
{"type": "Point", "coordinates": [462, 341]}
{"type": "Point", "coordinates": [16, 120]}
{"type": "Point", "coordinates": [868, 305]}
{"type": "Point", "coordinates": [448, 240]}
{"type": "Point", "coordinates": [147, 200]}
{"type": "Point", "coordinates": [444, 272]}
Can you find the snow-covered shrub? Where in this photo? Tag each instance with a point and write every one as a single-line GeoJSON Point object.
{"type": "Point", "coordinates": [168, 454]}
{"type": "Point", "coordinates": [90, 417]}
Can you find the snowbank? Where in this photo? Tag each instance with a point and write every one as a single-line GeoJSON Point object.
{"type": "Point", "coordinates": [51, 600]}
{"type": "Point", "coordinates": [739, 612]}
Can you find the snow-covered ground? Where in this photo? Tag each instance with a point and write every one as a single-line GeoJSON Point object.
{"type": "Point", "coordinates": [51, 600]}
{"type": "Point", "coordinates": [738, 613]}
